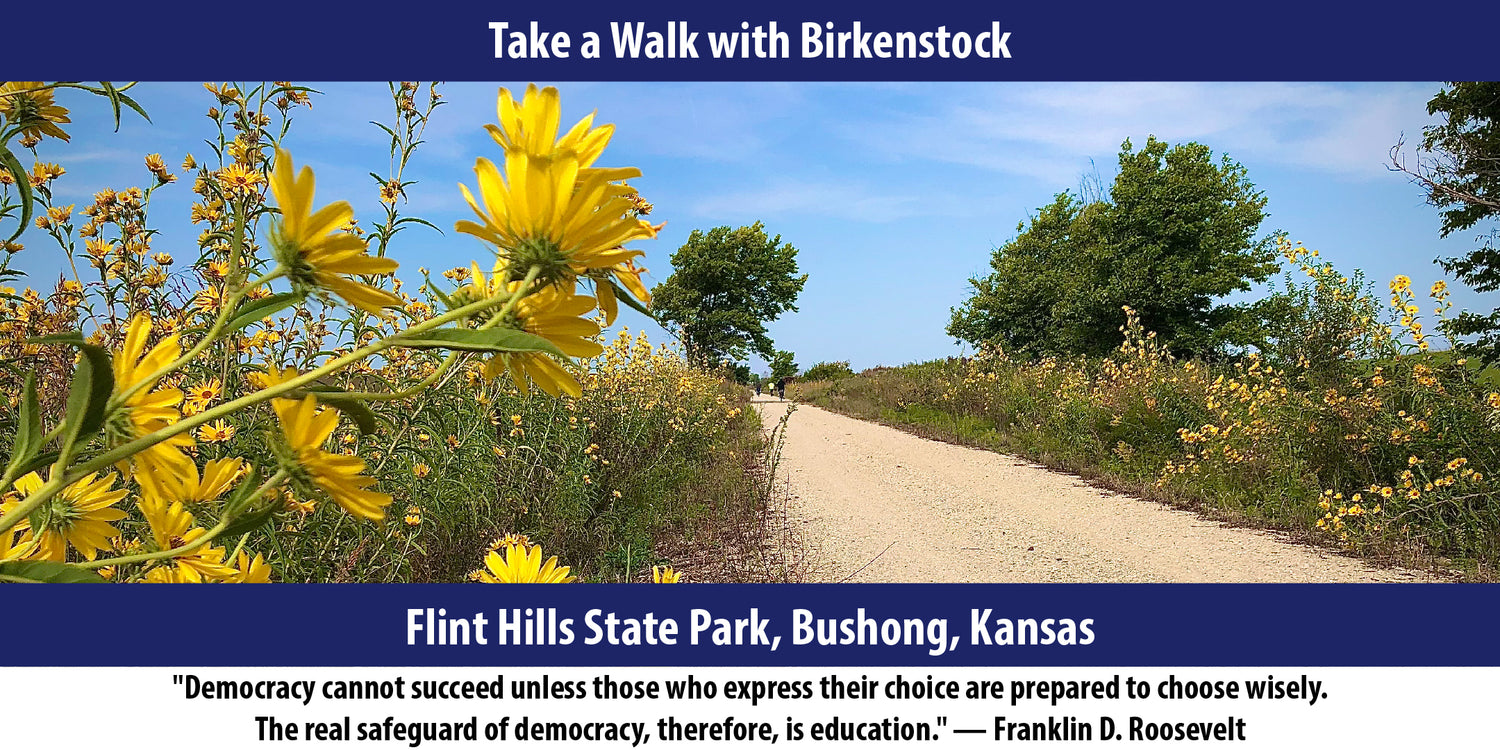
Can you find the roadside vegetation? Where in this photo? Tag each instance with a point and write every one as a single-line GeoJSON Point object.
{"type": "Point", "coordinates": [1383, 449]}
{"type": "Point", "coordinates": [269, 401]}
{"type": "Point", "coordinates": [1107, 344]}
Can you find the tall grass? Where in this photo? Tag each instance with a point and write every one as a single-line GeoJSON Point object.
{"type": "Point", "coordinates": [657, 463]}
{"type": "Point", "coordinates": [1386, 449]}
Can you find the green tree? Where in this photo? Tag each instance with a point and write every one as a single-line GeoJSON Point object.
{"type": "Point", "coordinates": [727, 284]}
{"type": "Point", "coordinates": [783, 365]}
{"type": "Point", "coordinates": [1461, 173]}
{"type": "Point", "coordinates": [1176, 235]}
{"type": "Point", "coordinates": [828, 371]}
{"type": "Point", "coordinates": [1020, 303]}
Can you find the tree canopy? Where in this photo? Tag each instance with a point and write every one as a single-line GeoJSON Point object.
{"type": "Point", "coordinates": [1461, 173]}
{"type": "Point", "coordinates": [1176, 234]}
{"type": "Point", "coordinates": [727, 284]}
{"type": "Point", "coordinates": [783, 365]}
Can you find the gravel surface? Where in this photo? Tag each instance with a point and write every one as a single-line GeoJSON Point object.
{"type": "Point", "coordinates": [875, 504]}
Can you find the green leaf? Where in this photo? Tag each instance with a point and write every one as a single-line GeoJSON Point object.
{"type": "Point", "coordinates": [415, 220]}
{"type": "Point", "coordinates": [255, 310]}
{"type": "Point", "coordinates": [46, 571]}
{"type": "Point", "coordinates": [9, 161]}
{"type": "Point", "coordinates": [28, 427]}
{"type": "Point", "coordinates": [358, 411]}
{"type": "Point", "coordinates": [93, 382]}
{"type": "Point", "coordinates": [71, 338]}
{"type": "Point", "coordinates": [487, 340]}
{"type": "Point", "coordinates": [131, 103]}
{"type": "Point", "coordinates": [252, 520]}
{"type": "Point", "coordinates": [444, 298]}
{"type": "Point", "coordinates": [37, 463]}
{"type": "Point", "coordinates": [629, 299]}
{"type": "Point", "coordinates": [114, 101]}
{"type": "Point", "coordinates": [242, 498]}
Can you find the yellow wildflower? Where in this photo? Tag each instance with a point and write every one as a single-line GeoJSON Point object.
{"type": "Point", "coordinates": [218, 476]}
{"type": "Point", "coordinates": [249, 570]}
{"type": "Point", "coordinates": [29, 105]}
{"type": "Point", "coordinates": [553, 314]}
{"type": "Point", "coordinates": [172, 528]}
{"type": "Point", "coordinates": [517, 561]}
{"type": "Point", "coordinates": [80, 515]}
{"type": "Point", "coordinates": [237, 179]}
{"type": "Point", "coordinates": [551, 208]}
{"type": "Point", "coordinates": [314, 258]}
{"type": "Point", "coordinates": [199, 396]}
{"type": "Point", "coordinates": [146, 411]}
{"type": "Point", "coordinates": [306, 428]}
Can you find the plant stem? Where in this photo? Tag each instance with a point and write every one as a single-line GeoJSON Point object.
{"type": "Point", "coordinates": [144, 442]}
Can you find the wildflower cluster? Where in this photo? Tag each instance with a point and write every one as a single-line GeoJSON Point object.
{"type": "Point", "coordinates": [165, 415]}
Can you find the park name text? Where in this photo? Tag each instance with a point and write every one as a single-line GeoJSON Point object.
{"type": "Point", "coordinates": [543, 626]}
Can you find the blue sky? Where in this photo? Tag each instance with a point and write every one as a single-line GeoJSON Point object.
{"type": "Point", "coordinates": [894, 194]}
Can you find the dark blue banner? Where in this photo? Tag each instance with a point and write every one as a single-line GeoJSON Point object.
{"type": "Point", "coordinates": [758, 625]}
{"type": "Point", "coordinates": [772, 41]}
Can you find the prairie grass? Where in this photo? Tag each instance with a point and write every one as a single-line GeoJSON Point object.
{"type": "Point", "coordinates": [1376, 445]}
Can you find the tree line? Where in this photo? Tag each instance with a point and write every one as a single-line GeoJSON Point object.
{"type": "Point", "coordinates": [1179, 230]}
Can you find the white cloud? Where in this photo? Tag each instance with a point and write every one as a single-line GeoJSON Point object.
{"type": "Point", "coordinates": [1049, 131]}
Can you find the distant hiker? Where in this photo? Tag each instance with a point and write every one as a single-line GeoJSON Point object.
{"type": "Point", "coordinates": [757, 386]}
{"type": "Point", "coordinates": [781, 388]}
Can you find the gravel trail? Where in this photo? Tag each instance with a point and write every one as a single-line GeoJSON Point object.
{"type": "Point", "coordinates": [875, 504]}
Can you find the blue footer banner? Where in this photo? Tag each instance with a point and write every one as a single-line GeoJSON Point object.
{"type": "Point", "coordinates": [927, 625]}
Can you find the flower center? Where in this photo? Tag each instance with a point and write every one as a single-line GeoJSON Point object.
{"type": "Point", "coordinates": [542, 253]}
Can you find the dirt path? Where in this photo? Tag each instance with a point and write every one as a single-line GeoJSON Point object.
{"type": "Point", "coordinates": [879, 505]}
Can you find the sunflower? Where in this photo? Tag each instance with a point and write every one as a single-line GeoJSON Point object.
{"type": "Point", "coordinates": [239, 180]}
{"type": "Point", "coordinates": [517, 561]}
{"type": "Point", "coordinates": [172, 528]}
{"type": "Point", "coordinates": [665, 574]}
{"type": "Point", "coordinates": [219, 431]}
{"type": "Point", "coordinates": [306, 428]}
{"type": "Point", "coordinates": [145, 411]}
{"type": "Point", "coordinates": [80, 516]}
{"type": "Point", "coordinates": [199, 396]}
{"type": "Point", "coordinates": [553, 314]}
{"type": "Point", "coordinates": [249, 570]}
{"type": "Point", "coordinates": [10, 549]}
{"type": "Point", "coordinates": [218, 476]}
{"type": "Point", "coordinates": [153, 277]}
{"type": "Point", "coordinates": [42, 173]}
{"type": "Point", "coordinates": [158, 167]}
{"type": "Point", "coordinates": [550, 212]}
{"type": "Point", "coordinates": [530, 126]}
{"type": "Point", "coordinates": [313, 257]}
{"type": "Point", "coordinates": [29, 105]}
